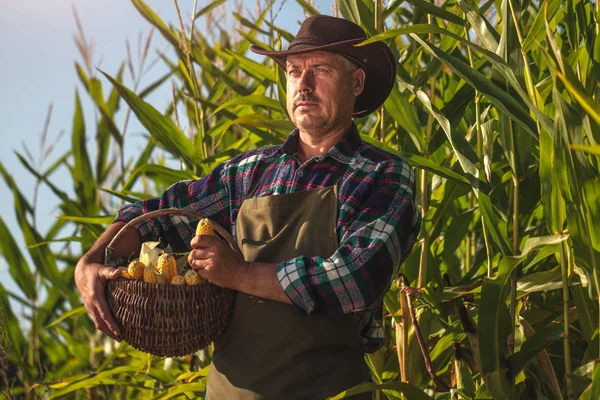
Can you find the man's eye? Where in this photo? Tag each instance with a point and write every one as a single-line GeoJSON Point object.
{"type": "Point", "coordinates": [294, 72]}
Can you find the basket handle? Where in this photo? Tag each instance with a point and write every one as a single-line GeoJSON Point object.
{"type": "Point", "coordinates": [159, 213]}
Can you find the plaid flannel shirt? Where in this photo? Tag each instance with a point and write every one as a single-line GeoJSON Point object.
{"type": "Point", "coordinates": [377, 221]}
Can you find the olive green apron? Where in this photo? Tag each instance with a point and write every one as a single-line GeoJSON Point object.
{"type": "Point", "coordinates": [271, 350]}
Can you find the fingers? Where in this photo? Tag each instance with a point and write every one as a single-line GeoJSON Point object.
{"type": "Point", "coordinates": [198, 258]}
{"type": "Point", "coordinates": [109, 273]}
{"type": "Point", "coordinates": [204, 241]}
{"type": "Point", "coordinates": [95, 302]}
{"type": "Point", "coordinates": [100, 321]}
{"type": "Point", "coordinates": [107, 319]}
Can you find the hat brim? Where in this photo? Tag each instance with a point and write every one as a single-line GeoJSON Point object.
{"type": "Point", "coordinates": [376, 59]}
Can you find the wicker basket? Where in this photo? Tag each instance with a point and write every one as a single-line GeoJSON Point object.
{"type": "Point", "coordinates": [168, 320]}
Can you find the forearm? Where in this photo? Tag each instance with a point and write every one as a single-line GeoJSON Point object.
{"type": "Point", "coordinates": [129, 244]}
{"type": "Point", "coordinates": [261, 280]}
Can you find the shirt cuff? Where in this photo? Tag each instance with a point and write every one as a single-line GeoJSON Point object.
{"type": "Point", "coordinates": [295, 283]}
{"type": "Point", "coordinates": [147, 228]}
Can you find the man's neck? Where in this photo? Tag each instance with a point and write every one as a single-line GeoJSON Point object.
{"type": "Point", "coordinates": [311, 145]}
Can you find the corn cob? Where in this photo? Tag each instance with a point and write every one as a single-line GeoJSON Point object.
{"type": "Point", "coordinates": [125, 274]}
{"type": "Point", "coordinates": [178, 280]}
{"type": "Point", "coordinates": [136, 269]}
{"type": "Point", "coordinates": [205, 227]}
{"type": "Point", "coordinates": [150, 274]}
{"type": "Point", "coordinates": [160, 278]}
{"type": "Point", "coordinates": [192, 278]}
{"type": "Point", "coordinates": [167, 266]}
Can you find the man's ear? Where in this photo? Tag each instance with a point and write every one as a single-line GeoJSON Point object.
{"type": "Point", "coordinates": [358, 81]}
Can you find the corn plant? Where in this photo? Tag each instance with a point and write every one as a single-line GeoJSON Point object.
{"type": "Point", "coordinates": [496, 105]}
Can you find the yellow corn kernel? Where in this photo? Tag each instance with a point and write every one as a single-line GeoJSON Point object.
{"type": "Point", "coordinates": [205, 227]}
{"type": "Point", "coordinates": [167, 266]}
{"type": "Point", "coordinates": [178, 280]}
{"type": "Point", "coordinates": [150, 274]}
{"type": "Point", "coordinates": [192, 278]}
{"type": "Point", "coordinates": [136, 269]}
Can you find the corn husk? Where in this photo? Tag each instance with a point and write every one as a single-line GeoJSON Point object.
{"type": "Point", "coordinates": [150, 252]}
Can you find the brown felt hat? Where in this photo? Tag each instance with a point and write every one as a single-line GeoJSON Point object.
{"type": "Point", "coordinates": [339, 36]}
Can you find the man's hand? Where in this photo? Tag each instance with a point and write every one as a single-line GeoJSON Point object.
{"type": "Point", "coordinates": [215, 261]}
{"type": "Point", "coordinates": [90, 279]}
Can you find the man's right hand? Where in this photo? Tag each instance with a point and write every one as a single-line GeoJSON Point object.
{"type": "Point", "coordinates": [90, 279]}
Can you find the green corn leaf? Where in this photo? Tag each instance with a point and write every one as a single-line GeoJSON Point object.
{"type": "Point", "coordinates": [431, 8]}
{"type": "Point", "coordinates": [281, 89]}
{"type": "Point", "coordinates": [156, 21]}
{"type": "Point", "coordinates": [256, 70]}
{"type": "Point", "coordinates": [419, 161]}
{"type": "Point", "coordinates": [493, 222]}
{"type": "Point", "coordinates": [404, 113]}
{"type": "Point", "coordinates": [156, 84]}
{"type": "Point", "coordinates": [284, 34]}
{"type": "Point", "coordinates": [42, 256]}
{"type": "Point", "coordinates": [541, 281]}
{"type": "Point", "coordinates": [309, 8]}
{"type": "Point", "coordinates": [554, 204]}
{"type": "Point", "coordinates": [94, 88]}
{"type": "Point", "coordinates": [142, 160]}
{"type": "Point", "coordinates": [67, 239]}
{"type": "Point", "coordinates": [182, 388]}
{"type": "Point", "coordinates": [502, 100]}
{"type": "Point", "coordinates": [106, 220]}
{"type": "Point", "coordinates": [211, 6]}
{"type": "Point", "coordinates": [186, 77]}
{"type": "Point", "coordinates": [252, 100]}
{"type": "Point", "coordinates": [78, 349]}
{"type": "Point", "coordinates": [253, 40]}
{"type": "Point", "coordinates": [160, 127]}
{"type": "Point", "coordinates": [165, 175]}
{"type": "Point", "coordinates": [247, 23]}
{"type": "Point", "coordinates": [359, 13]}
{"type": "Point", "coordinates": [128, 196]}
{"type": "Point", "coordinates": [391, 6]}
{"type": "Point", "coordinates": [82, 169]}
{"type": "Point", "coordinates": [349, 10]}
{"type": "Point", "coordinates": [537, 31]}
{"type": "Point", "coordinates": [464, 70]}
{"type": "Point", "coordinates": [411, 392]}
{"type": "Point", "coordinates": [107, 377]}
{"type": "Point", "coordinates": [17, 265]}
{"type": "Point", "coordinates": [15, 338]}
{"type": "Point", "coordinates": [595, 390]}
{"type": "Point", "coordinates": [578, 92]}
{"type": "Point", "coordinates": [538, 342]}
{"type": "Point", "coordinates": [509, 263]}
{"type": "Point", "coordinates": [587, 315]}
{"type": "Point", "coordinates": [493, 329]}
{"type": "Point", "coordinates": [486, 32]}
{"type": "Point", "coordinates": [470, 170]}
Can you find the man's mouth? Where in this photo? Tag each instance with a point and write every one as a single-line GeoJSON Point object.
{"type": "Point", "coordinates": [305, 104]}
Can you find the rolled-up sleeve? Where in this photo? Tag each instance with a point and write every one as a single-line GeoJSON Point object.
{"type": "Point", "coordinates": [359, 273]}
{"type": "Point", "coordinates": [208, 197]}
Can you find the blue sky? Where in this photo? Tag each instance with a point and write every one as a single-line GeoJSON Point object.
{"type": "Point", "coordinates": [37, 69]}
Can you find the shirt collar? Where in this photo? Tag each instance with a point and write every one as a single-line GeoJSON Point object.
{"type": "Point", "coordinates": [343, 151]}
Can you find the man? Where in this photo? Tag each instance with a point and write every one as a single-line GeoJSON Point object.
{"type": "Point", "coordinates": [323, 222]}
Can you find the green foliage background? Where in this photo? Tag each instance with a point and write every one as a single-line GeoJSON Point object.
{"type": "Point", "coordinates": [496, 104]}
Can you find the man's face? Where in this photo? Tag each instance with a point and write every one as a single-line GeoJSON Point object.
{"type": "Point", "coordinates": [321, 89]}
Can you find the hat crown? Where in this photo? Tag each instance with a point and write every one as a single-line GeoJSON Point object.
{"type": "Point", "coordinates": [323, 29]}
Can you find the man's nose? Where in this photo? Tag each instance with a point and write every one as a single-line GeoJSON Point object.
{"type": "Point", "coordinates": [306, 82]}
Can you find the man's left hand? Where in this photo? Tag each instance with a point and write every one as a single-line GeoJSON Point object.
{"type": "Point", "coordinates": [215, 261]}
